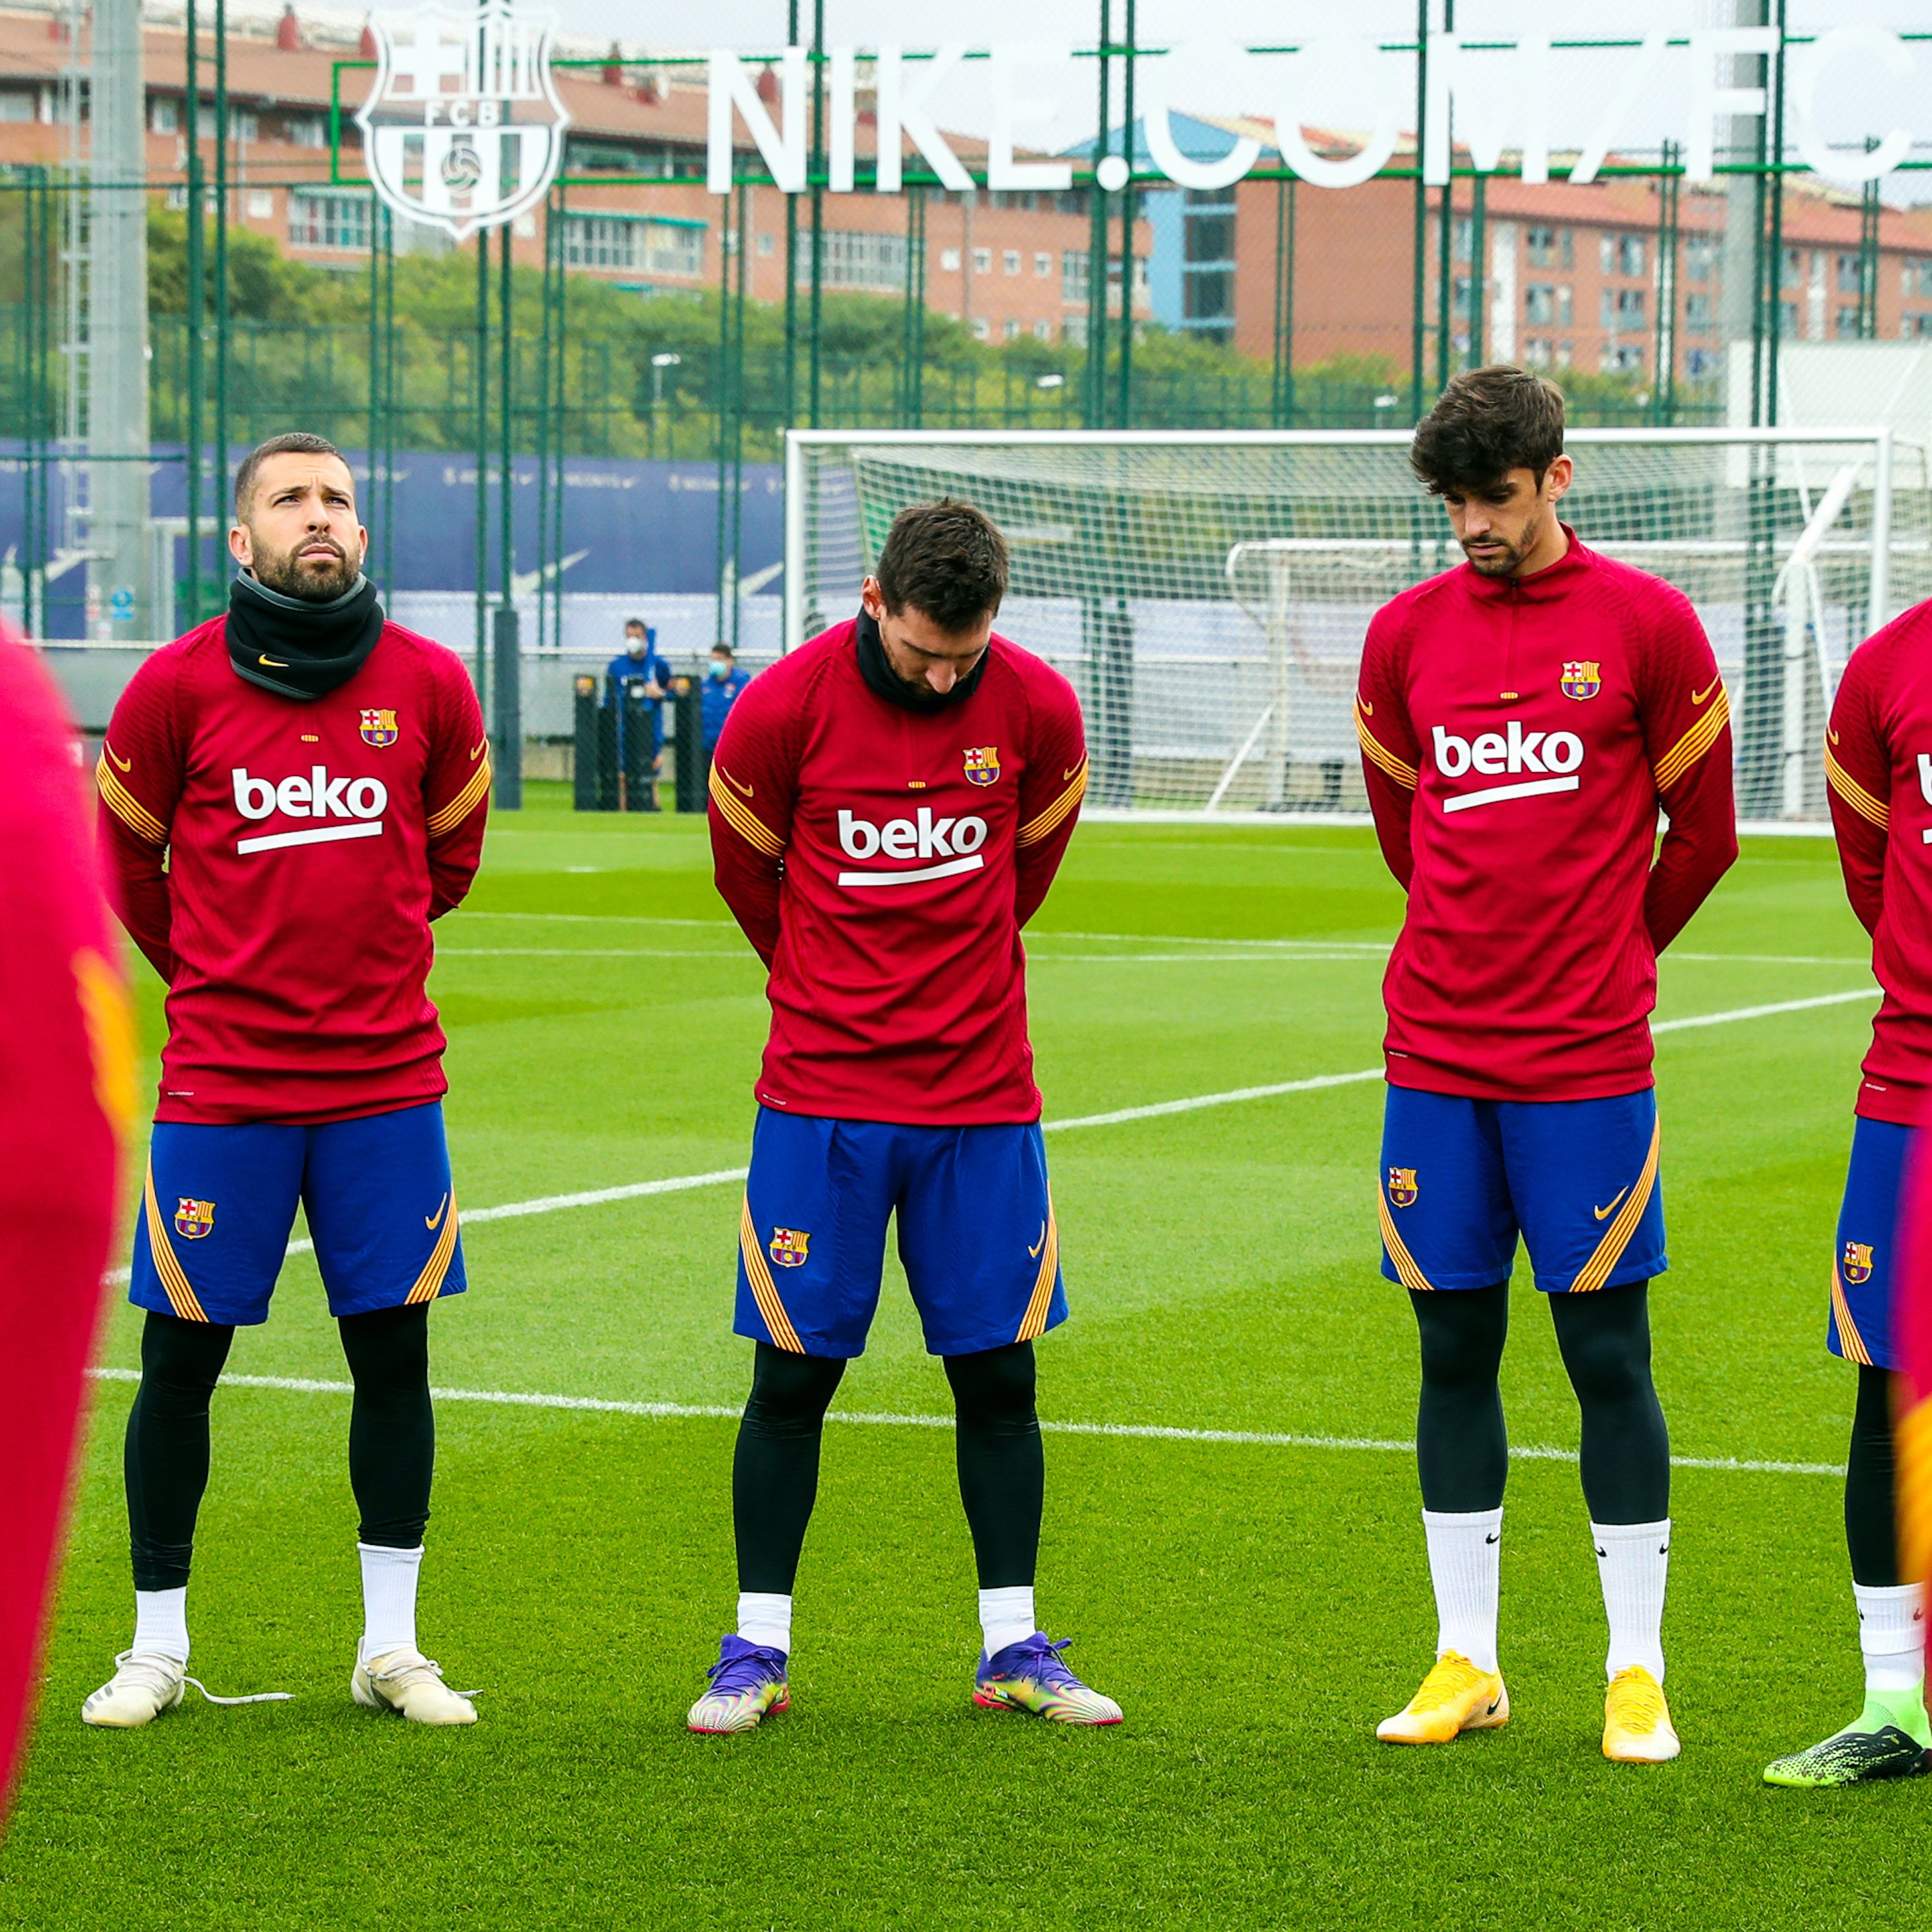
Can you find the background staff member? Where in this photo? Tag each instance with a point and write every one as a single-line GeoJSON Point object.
{"type": "Point", "coordinates": [639, 658]}
{"type": "Point", "coordinates": [722, 685]}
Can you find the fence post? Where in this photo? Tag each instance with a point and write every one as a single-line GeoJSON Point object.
{"type": "Point", "coordinates": [689, 760]}
{"type": "Point", "coordinates": [509, 732]}
{"type": "Point", "coordinates": [585, 762]}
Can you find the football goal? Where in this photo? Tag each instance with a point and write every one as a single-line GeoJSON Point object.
{"type": "Point", "coordinates": [1207, 594]}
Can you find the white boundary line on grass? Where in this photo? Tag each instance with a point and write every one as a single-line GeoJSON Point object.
{"type": "Point", "coordinates": [1143, 1432]}
{"type": "Point", "coordinates": [637, 1190]}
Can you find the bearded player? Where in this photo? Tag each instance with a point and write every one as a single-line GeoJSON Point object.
{"type": "Point", "coordinates": [1523, 719]}
{"type": "Point", "coordinates": [1878, 769]}
{"type": "Point", "coordinates": [290, 794]}
{"type": "Point", "coordinates": [889, 805]}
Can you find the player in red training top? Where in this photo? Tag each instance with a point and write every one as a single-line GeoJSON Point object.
{"type": "Point", "coordinates": [889, 804]}
{"type": "Point", "coordinates": [288, 795]}
{"type": "Point", "coordinates": [1878, 771]}
{"type": "Point", "coordinates": [67, 1056]}
{"type": "Point", "coordinates": [1523, 720]}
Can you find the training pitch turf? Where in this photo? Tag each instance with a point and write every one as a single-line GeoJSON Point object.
{"type": "Point", "coordinates": [1256, 1606]}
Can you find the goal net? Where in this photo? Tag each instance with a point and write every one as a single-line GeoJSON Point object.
{"type": "Point", "coordinates": [1207, 595]}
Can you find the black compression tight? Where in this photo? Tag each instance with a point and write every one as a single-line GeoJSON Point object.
{"type": "Point", "coordinates": [391, 1434]}
{"type": "Point", "coordinates": [1604, 1339]}
{"type": "Point", "coordinates": [775, 1467]}
{"type": "Point", "coordinates": [1870, 1528]}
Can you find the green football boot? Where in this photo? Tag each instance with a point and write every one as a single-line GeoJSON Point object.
{"type": "Point", "coordinates": [1891, 1738]}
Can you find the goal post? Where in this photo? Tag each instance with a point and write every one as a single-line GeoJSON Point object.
{"type": "Point", "coordinates": [1207, 594]}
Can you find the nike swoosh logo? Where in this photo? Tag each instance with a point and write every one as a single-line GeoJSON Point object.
{"type": "Point", "coordinates": [1698, 697]}
{"type": "Point", "coordinates": [1368, 709]}
{"type": "Point", "coordinates": [432, 1221]}
{"type": "Point", "coordinates": [1072, 772]}
{"type": "Point", "coordinates": [479, 752]}
{"type": "Point", "coordinates": [1831, 734]}
{"type": "Point", "coordinates": [126, 764]}
{"type": "Point", "coordinates": [734, 784]}
{"type": "Point", "coordinates": [1494, 1709]}
{"type": "Point", "coordinates": [273, 664]}
{"type": "Point", "coordinates": [1600, 1213]}
{"type": "Point", "coordinates": [1495, 1536]}
{"type": "Point", "coordinates": [1034, 1250]}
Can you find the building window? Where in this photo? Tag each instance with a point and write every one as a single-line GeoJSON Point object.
{"type": "Point", "coordinates": [1849, 280]}
{"type": "Point", "coordinates": [1465, 296]}
{"type": "Point", "coordinates": [639, 243]}
{"type": "Point", "coordinates": [854, 259]}
{"type": "Point", "coordinates": [1073, 280]}
{"type": "Point", "coordinates": [1697, 311]}
{"type": "Point", "coordinates": [261, 205]}
{"type": "Point", "coordinates": [768, 244]}
{"type": "Point", "coordinates": [1793, 270]}
{"type": "Point", "coordinates": [163, 115]}
{"type": "Point", "coordinates": [326, 218]}
{"type": "Point", "coordinates": [1916, 277]}
{"type": "Point", "coordinates": [1010, 261]}
{"type": "Point", "coordinates": [1042, 264]}
{"type": "Point", "coordinates": [1073, 330]}
{"type": "Point", "coordinates": [1699, 363]}
{"type": "Point", "coordinates": [982, 261]}
{"type": "Point", "coordinates": [1920, 324]}
{"type": "Point", "coordinates": [1207, 264]}
{"type": "Point", "coordinates": [1566, 354]}
{"type": "Point", "coordinates": [1620, 254]}
{"type": "Point", "coordinates": [1042, 330]}
{"type": "Point", "coordinates": [1700, 259]}
{"type": "Point", "coordinates": [1010, 330]}
{"type": "Point", "coordinates": [1623, 359]}
{"type": "Point", "coordinates": [302, 130]}
{"type": "Point", "coordinates": [1548, 303]}
{"type": "Point", "coordinates": [243, 127]}
{"type": "Point", "coordinates": [949, 261]}
{"type": "Point", "coordinates": [1787, 320]}
{"type": "Point", "coordinates": [1623, 310]}
{"type": "Point", "coordinates": [1537, 353]}
{"type": "Point", "coordinates": [1848, 319]}
{"type": "Point", "coordinates": [982, 328]}
{"type": "Point", "coordinates": [1465, 237]}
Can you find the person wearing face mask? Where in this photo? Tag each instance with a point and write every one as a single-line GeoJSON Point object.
{"type": "Point", "coordinates": [290, 794]}
{"type": "Point", "coordinates": [723, 681]}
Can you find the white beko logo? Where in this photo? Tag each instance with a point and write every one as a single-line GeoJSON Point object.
{"type": "Point", "coordinates": [463, 129]}
{"type": "Point", "coordinates": [955, 842]}
{"type": "Point", "coordinates": [361, 802]}
{"type": "Point", "coordinates": [1493, 753]}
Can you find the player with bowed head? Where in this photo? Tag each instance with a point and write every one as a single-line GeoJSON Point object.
{"type": "Point", "coordinates": [1523, 720]}
{"type": "Point", "coordinates": [889, 805]}
{"type": "Point", "coordinates": [290, 794]}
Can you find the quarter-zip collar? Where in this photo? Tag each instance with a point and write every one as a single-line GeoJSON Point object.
{"type": "Point", "coordinates": [1558, 580]}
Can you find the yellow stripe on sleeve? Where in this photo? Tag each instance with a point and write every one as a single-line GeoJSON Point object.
{"type": "Point", "coordinates": [126, 807]}
{"type": "Point", "coordinates": [174, 1280]}
{"type": "Point", "coordinates": [1854, 795]}
{"type": "Point", "coordinates": [764, 1290]}
{"type": "Point", "coordinates": [450, 816]}
{"type": "Point", "coordinates": [742, 819]}
{"type": "Point", "coordinates": [1695, 742]}
{"type": "Point", "coordinates": [1381, 756]}
{"type": "Point", "coordinates": [1044, 824]}
{"type": "Point", "coordinates": [1596, 1271]}
{"type": "Point", "coordinates": [1406, 1271]}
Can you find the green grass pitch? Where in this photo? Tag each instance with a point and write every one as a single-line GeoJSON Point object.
{"type": "Point", "coordinates": [1256, 1607]}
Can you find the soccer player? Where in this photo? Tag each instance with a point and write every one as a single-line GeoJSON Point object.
{"type": "Point", "coordinates": [1523, 719]}
{"type": "Point", "coordinates": [1878, 769]}
{"type": "Point", "coordinates": [288, 795]}
{"type": "Point", "coordinates": [67, 1056]}
{"type": "Point", "coordinates": [889, 805]}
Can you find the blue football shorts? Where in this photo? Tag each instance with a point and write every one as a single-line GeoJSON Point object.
{"type": "Point", "coordinates": [975, 1234]}
{"type": "Point", "coordinates": [1577, 1179]}
{"type": "Point", "coordinates": [1860, 1328]}
{"type": "Point", "coordinates": [220, 1202]}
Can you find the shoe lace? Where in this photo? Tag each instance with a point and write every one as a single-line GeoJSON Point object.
{"type": "Point", "coordinates": [747, 1671]}
{"type": "Point", "coordinates": [154, 1670]}
{"type": "Point", "coordinates": [1639, 1699]}
{"type": "Point", "coordinates": [1450, 1677]}
{"type": "Point", "coordinates": [1043, 1661]}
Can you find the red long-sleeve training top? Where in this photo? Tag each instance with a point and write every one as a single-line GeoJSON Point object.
{"type": "Point", "coordinates": [1518, 737]}
{"type": "Point", "coordinates": [308, 844]}
{"type": "Point", "coordinates": [882, 861]}
{"type": "Point", "coordinates": [1878, 768]}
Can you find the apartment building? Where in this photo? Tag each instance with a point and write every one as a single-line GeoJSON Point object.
{"type": "Point", "coordinates": [1008, 265]}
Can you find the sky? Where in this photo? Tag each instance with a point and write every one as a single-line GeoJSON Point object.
{"type": "Point", "coordinates": [1857, 99]}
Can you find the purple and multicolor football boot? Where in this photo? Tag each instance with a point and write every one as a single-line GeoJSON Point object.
{"type": "Point", "coordinates": [1029, 1676]}
{"type": "Point", "coordinates": [747, 1681]}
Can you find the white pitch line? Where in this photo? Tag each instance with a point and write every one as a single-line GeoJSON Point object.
{"type": "Point", "coordinates": [1135, 1431]}
{"type": "Point", "coordinates": [594, 1197]}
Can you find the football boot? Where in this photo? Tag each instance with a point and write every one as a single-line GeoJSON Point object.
{"type": "Point", "coordinates": [1455, 1697]}
{"type": "Point", "coordinates": [748, 1684]}
{"type": "Point", "coordinates": [1031, 1676]}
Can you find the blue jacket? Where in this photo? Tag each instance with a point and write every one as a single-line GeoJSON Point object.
{"type": "Point", "coordinates": [718, 693]}
{"type": "Point", "coordinates": [649, 665]}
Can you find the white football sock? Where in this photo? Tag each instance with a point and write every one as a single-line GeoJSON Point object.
{"type": "Point", "coordinates": [1891, 1633]}
{"type": "Point", "coordinates": [389, 1598]}
{"type": "Point", "coordinates": [764, 1618]}
{"type": "Point", "coordinates": [160, 1622]}
{"type": "Point", "coordinates": [1633, 1561]}
{"type": "Point", "coordinates": [1466, 1566]}
{"type": "Point", "coordinates": [1006, 1616]}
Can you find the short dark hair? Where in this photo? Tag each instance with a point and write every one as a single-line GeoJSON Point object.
{"type": "Point", "coordinates": [297, 441]}
{"type": "Point", "coordinates": [946, 560]}
{"type": "Point", "coordinates": [1485, 424]}
{"type": "Point", "coordinates": [636, 624]}
{"type": "Point", "coordinates": [722, 646]}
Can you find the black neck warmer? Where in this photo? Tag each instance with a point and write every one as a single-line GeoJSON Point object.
{"type": "Point", "coordinates": [881, 677]}
{"type": "Point", "coordinates": [297, 649]}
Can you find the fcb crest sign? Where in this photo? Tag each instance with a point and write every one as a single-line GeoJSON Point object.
{"type": "Point", "coordinates": [463, 129]}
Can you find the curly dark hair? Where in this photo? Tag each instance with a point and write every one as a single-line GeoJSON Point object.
{"type": "Point", "coordinates": [947, 560]}
{"type": "Point", "coordinates": [1485, 424]}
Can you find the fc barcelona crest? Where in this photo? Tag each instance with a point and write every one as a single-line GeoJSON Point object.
{"type": "Point", "coordinates": [1401, 1186]}
{"type": "Point", "coordinates": [378, 728]}
{"type": "Point", "coordinates": [1857, 1265]}
{"type": "Point", "coordinates": [194, 1219]}
{"type": "Point", "coordinates": [1582, 678]}
{"type": "Point", "coordinates": [983, 766]}
{"type": "Point", "coordinates": [790, 1246]}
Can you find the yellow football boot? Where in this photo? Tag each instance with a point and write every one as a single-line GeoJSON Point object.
{"type": "Point", "coordinates": [1637, 1728]}
{"type": "Point", "coordinates": [1455, 1697]}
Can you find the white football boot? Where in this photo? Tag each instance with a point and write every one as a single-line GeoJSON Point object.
{"type": "Point", "coordinates": [407, 1683]}
{"type": "Point", "coordinates": [147, 1682]}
